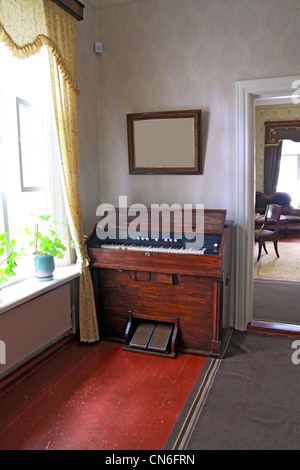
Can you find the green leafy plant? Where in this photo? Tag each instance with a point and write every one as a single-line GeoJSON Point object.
{"type": "Point", "coordinates": [8, 256]}
{"type": "Point", "coordinates": [47, 242]}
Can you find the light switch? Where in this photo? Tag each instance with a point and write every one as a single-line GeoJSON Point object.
{"type": "Point", "coordinates": [98, 47]}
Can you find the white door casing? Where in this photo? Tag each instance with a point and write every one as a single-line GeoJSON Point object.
{"type": "Point", "coordinates": [246, 93]}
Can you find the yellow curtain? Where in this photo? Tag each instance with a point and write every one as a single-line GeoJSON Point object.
{"type": "Point", "coordinates": [26, 26]}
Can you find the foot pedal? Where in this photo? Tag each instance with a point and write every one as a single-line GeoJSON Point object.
{"type": "Point", "coordinates": [159, 340]}
{"type": "Point", "coordinates": [148, 336]}
{"type": "Point", "coordinates": [142, 335]}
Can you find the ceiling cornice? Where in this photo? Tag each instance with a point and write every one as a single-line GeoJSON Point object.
{"type": "Point", "coordinates": [110, 3]}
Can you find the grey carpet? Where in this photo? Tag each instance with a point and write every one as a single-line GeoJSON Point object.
{"type": "Point", "coordinates": [253, 402]}
{"type": "Point", "coordinates": [276, 301]}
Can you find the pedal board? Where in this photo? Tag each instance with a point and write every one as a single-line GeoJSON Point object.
{"type": "Point", "coordinates": [152, 337]}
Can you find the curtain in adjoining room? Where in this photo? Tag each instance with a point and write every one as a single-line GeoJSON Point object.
{"type": "Point", "coordinates": [26, 26]}
{"type": "Point", "coordinates": [271, 167]}
{"type": "Point", "coordinates": [275, 133]}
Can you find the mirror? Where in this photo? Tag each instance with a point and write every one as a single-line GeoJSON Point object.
{"type": "Point", "coordinates": [165, 142]}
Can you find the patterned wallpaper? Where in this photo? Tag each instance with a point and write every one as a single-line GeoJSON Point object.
{"type": "Point", "coordinates": [167, 55]}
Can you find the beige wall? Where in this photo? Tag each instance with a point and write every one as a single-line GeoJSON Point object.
{"type": "Point", "coordinates": [88, 116]}
{"type": "Point", "coordinates": [169, 55]}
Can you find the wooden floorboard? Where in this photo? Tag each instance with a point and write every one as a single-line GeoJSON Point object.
{"type": "Point", "coordinates": [96, 396]}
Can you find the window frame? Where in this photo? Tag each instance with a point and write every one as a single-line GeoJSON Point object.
{"type": "Point", "coordinates": [26, 104]}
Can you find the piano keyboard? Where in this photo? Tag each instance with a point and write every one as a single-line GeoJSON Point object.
{"type": "Point", "coordinates": [149, 248]}
{"type": "Point", "coordinates": [144, 243]}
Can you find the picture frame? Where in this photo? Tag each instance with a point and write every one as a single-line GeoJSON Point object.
{"type": "Point", "coordinates": [165, 142]}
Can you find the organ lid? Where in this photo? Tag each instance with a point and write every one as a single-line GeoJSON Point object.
{"type": "Point", "coordinates": [189, 220]}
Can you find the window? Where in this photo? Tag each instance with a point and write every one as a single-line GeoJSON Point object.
{"type": "Point", "coordinates": [289, 171]}
{"type": "Point", "coordinates": [29, 162]}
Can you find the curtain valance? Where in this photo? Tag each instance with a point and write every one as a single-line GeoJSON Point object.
{"type": "Point", "coordinates": [281, 130]}
{"type": "Point", "coordinates": [19, 22]}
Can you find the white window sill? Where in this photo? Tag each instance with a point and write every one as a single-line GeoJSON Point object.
{"type": "Point", "coordinates": [21, 292]}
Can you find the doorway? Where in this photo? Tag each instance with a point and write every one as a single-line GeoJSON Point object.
{"type": "Point", "coordinates": [276, 290]}
{"type": "Point", "coordinates": [246, 93]}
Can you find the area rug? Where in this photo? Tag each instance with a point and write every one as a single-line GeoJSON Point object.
{"type": "Point", "coordinates": [286, 267]}
{"type": "Point", "coordinates": [188, 419]}
{"type": "Point", "coordinates": [253, 401]}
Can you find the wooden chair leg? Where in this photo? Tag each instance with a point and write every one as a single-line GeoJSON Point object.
{"type": "Point", "coordinates": [265, 248]}
{"type": "Point", "coordinates": [259, 251]}
{"type": "Point", "coordinates": [276, 248]}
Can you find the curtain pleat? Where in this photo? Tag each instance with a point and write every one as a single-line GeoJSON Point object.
{"type": "Point", "coordinates": [26, 26]}
{"type": "Point", "coordinates": [272, 160]}
{"type": "Point", "coordinates": [66, 121]}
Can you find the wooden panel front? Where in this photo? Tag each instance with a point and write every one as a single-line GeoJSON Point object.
{"type": "Point", "coordinates": [198, 265]}
{"type": "Point", "coordinates": [192, 299]}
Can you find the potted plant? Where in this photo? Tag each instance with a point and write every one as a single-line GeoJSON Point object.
{"type": "Point", "coordinates": [47, 246]}
{"type": "Point", "coordinates": [8, 256]}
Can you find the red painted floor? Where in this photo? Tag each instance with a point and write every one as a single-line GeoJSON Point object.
{"type": "Point", "coordinates": [97, 396]}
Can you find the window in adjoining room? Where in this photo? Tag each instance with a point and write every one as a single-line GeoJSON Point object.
{"type": "Point", "coordinates": [289, 171]}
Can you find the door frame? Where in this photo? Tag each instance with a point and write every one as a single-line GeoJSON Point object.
{"type": "Point", "coordinates": [246, 93]}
